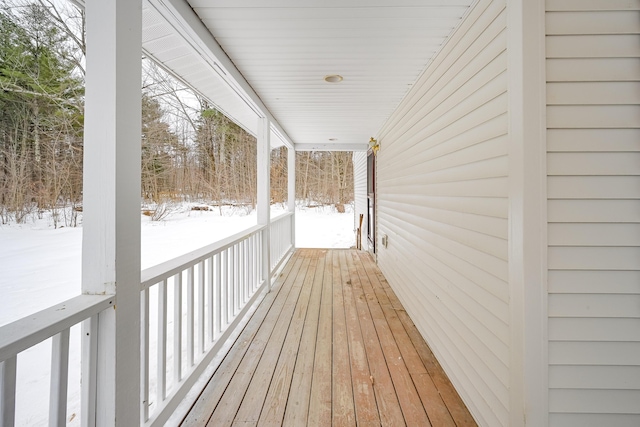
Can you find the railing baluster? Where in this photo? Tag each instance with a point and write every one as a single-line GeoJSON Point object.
{"type": "Point", "coordinates": [162, 342]}
{"type": "Point", "coordinates": [256, 260]}
{"type": "Point", "coordinates": [236, 282]}
{"type": "Point", "coordinates": [89, 370]}
{"type": "Point", "coordinates": [201, 306]}
{"type": "Point", "coordinates": [190, 317]}
{"type": "Point", "coordinates": [243, 282]}
{"type": "Point", "coordinates": [8, 391]}
{"type": "Point", "coordinates": [240, 277]}
{"type": "Point", "coordinates": [240, 263]}
{"type": "Point", "coordinates": [59, 379]}
{"type": "Point", "coordinates": [231, 278]}
{"type": "Point", "coordinates": [224, 302]}
{"type": "Point", "coordinates": [177, 329]}
{"type": "Point", "coordinates": [250, 264]}
{"type": "Point", "coordinates": [274, 247]}
{"type": "Point", "coordinates": [247, 281]}
{"type": "Point", "coordinates": [211, 312]}
{"type": "Point", "coordinates": [247, 272]}
{"type": "Point", "coordinates": [260, 257]}
{"type": "Point", "coordinates": [144, 350]}
{"type": "Point", "coordinates": [241, 269]}
{"type": "Point", "coordinates": [218, 298]}
{"type": "Point", "coordinates": [276, 240]}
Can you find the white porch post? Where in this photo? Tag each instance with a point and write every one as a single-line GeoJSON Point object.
{"type": "Point", "coordinates": [264, 194]}
{"type": "Point", "coordinates": [291, 190]}
{"type": "Point", "coordinates": [527, 213]}
{"type": "Point", "coordinates": [111, 224]}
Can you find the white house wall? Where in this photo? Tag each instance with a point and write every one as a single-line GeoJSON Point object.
{"type": "Point", "coordinates": [360, 193]}
{"type": "Point", "coordinates": [442, 201]}
{"type": "Point", "coordinates": [593, 120]}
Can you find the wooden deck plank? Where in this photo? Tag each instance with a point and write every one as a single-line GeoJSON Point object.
{"type": "Point", "coordinates": [297, 407]}
{"type": "Point", "coordinates": [273, 409]}
{"type": "Point", "coordinates": [227, 407]}
{"type": "Point", "coordinates": [451, 398]}
{"type": "Point", "coordinates": [343, 410]}
{"type": "Point", "coordinates": [361, 378]}
{"type": "Point", "coordinates": [251, 406]}
{"type": "Point", "coordinates": [412, 408]}
{"type": "Point", "coordinates": [387, 400]}
{"type": "Point", "coordinates": [321, 384]}
{"type": "Point", "coordinates": [432, 402]}
{"type": "Point", "coordinates": [213, 391]}
{"type": "Point", "coordinates": [331, 345]}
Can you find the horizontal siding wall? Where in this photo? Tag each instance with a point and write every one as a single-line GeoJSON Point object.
{"type": "Point", "coordinates": [593, 137]}
{"type": "Point", "coordinates": [360, 193]}
{"type": "Point", "coordinates": [442, 201]}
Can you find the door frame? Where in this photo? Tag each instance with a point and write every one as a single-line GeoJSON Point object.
{"type": "Point", "coordinates": [371, 201]}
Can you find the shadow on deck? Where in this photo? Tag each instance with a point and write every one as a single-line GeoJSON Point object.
{"type": "Point", "coordinates": [331, 344]}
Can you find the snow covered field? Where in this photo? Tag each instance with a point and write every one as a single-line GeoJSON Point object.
{"type": "Point", "coordinates": [40, 266]}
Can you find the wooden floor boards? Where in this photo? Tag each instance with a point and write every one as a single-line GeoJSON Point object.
{"type": "Point", "coordinates": [330, 345]}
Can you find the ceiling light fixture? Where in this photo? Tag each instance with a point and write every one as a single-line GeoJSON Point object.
{"type": "Point", "coordinates": [333, 78]}
{"type": "Point", "coordinates": [333, 139]}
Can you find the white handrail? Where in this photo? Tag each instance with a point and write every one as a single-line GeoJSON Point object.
{"type": "Point", "coordinates": [165, 270]}
{"type": "Point", "coordinates": [29, 331]}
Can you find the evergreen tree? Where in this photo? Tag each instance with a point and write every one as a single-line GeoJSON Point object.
{"type": "Point", "coordinates": [158, 147]}
{"type": "Point", "coordinates": [40, 113]}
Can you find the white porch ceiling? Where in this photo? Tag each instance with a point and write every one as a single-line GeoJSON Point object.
{"type": "Point", "coordinates": [275, 54]}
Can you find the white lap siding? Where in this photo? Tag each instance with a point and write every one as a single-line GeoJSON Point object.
{"type": "Point", "coordinates": [593, 163]}
{"type": "Point", "coordinates": [442, 201]}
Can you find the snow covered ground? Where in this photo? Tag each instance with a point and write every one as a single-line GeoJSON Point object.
{"type": "Point", "coordinates": [40, 266]}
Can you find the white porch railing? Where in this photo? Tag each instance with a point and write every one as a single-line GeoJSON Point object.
{"type": "Point", "coordinates": [189, 307]}
{"type": "Point", "coordinates": [54, 322]}
{"type": "Point", "coordinates": [281, 230]}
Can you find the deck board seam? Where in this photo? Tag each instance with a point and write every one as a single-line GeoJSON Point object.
{"type": "Point", "coordinates": [303, 298]}
{"type": "Point", "coordinates": [316, 288]}
{"type": "Point", "coordinates": [331, 323]}
{"type": "Point", "coordinates": [268, 341]}
{"type": "Point", "coordinates": [259, 327]}
{"type": "Point", "coordinates": [230, 354]}
{"type": "Point", "coordinates": [368, 303]}
{"type": "Point", "coordinates": [397, 307]}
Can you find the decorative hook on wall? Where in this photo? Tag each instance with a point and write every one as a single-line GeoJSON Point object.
{"type": "Point", "coordinates": [374, 145]}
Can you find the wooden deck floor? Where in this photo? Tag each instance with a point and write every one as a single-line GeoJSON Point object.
{"type": "Point", "coordinates": [330, 345]}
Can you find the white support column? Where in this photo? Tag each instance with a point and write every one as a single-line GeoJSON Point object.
{"type": "Point", "coordinates": [527, 213]}
{"type": "Point", "coordinates": [291, 190]}
{"type": "Point", "coordinates": [111, 224]}
{"type": "Point", "coordinates": [264, 194]}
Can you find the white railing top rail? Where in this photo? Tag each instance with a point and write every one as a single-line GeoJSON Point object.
{"type": "Point", "coordinates": [165, 270]}
{"type": "Point", "coordinates": [281, 216]}
{"type": "Point", "coordinates": [31, 330]}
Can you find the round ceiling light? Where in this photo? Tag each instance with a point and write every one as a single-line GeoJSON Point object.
{"type": "Point", "coordinates": [333, 78]}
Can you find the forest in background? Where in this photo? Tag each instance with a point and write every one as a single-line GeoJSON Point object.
{"type": "Point", "coordinates": [190, 151]}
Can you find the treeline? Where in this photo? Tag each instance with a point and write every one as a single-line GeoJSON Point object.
{"type": "Point", "coordinates": [41, 90]}
{"type": "Point", "coordinates": [190, 151]}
